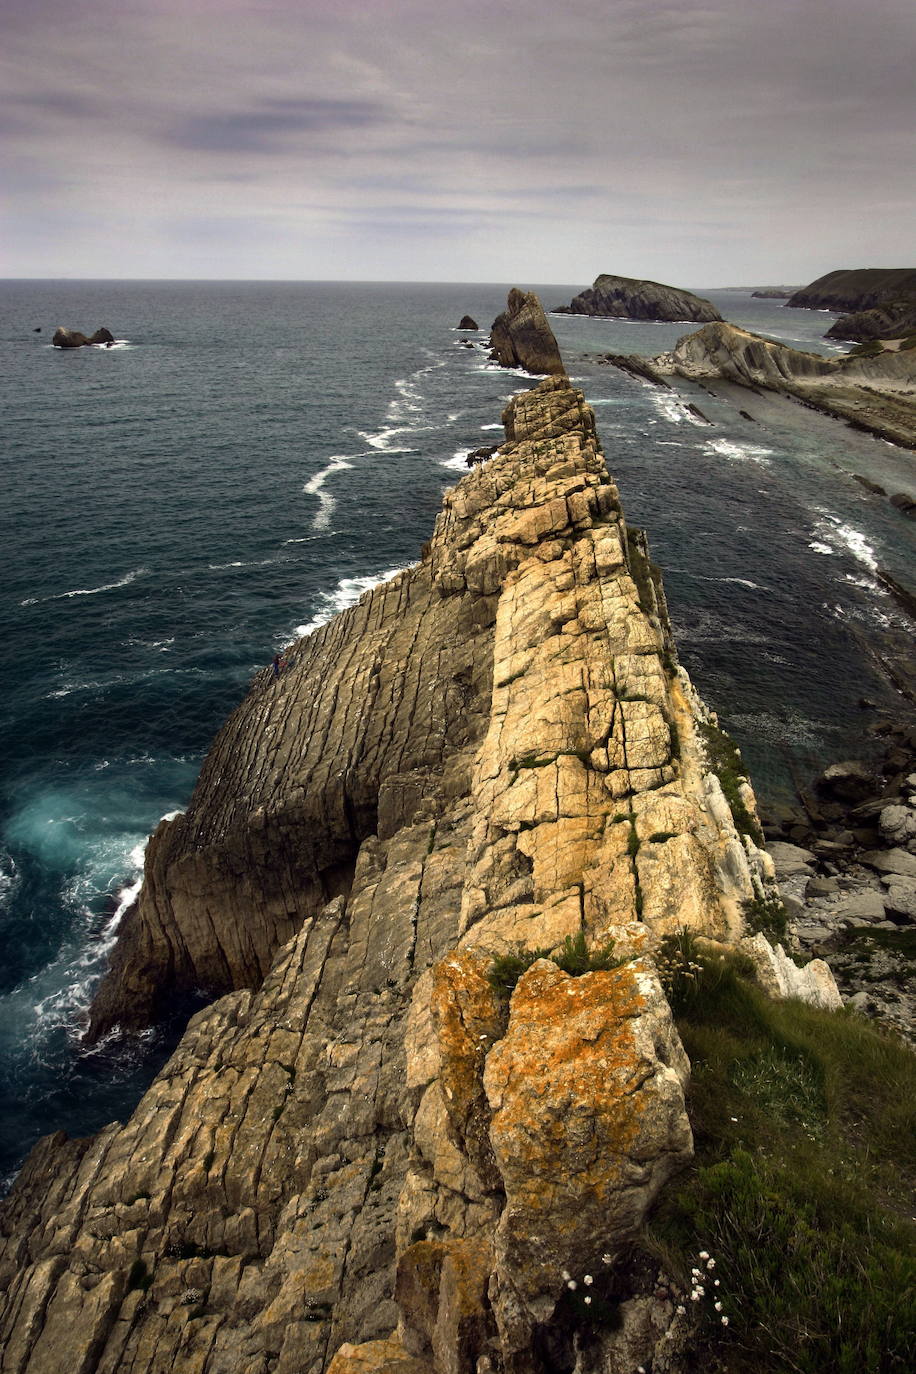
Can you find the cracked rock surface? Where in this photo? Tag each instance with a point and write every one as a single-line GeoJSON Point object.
{"type": "Point", "coordinates": [360, 1156]}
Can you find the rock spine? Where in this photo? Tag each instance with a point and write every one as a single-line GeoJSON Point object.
{"type": "Point", "coordinates": [361, 1157]}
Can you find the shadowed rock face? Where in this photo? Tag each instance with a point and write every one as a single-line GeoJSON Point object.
{"type": "Point", "coordinates": [336, 1169]}
{"type": "Point", "coordinates": [629, 298]}
{"type": "Point", "coordinates": [522, 337]}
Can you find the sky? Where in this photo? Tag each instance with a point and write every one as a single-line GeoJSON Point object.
{"type": "Point", "coordinates": [703, 143]}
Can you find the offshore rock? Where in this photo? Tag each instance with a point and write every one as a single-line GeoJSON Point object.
{"type": "Point", "coordinates": [360, 1157]}
{"type": "Point", "coordinates": [631, 298]}
{"type": "Point", "coordinates": [467, 323]}
{"type": "Point", "coordinates": [72, 338]}
{"type": "Point", "coordinates": [522, 337]}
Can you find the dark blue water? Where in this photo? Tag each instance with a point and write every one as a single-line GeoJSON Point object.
{"type": "Point", "coordinates": [246, 461]}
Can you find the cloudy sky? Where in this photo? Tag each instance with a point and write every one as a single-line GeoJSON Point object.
{"type": "Point", "coordinates": [705, 142]}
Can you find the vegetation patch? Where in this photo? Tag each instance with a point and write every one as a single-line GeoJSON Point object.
{"type": "Point", "coordinates": [725, 761]}
{"type": "Point", "coordinates": [766, 915]}
{"type": "Point", "coordinates": [573, 957]}
{"type": "Point", "coordinates": [805, 1130]}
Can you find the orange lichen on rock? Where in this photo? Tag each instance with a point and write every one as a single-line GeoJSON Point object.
{"type": "Point", "coordinates": [586, 1091]}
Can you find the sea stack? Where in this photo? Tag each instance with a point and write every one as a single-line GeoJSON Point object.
{"type": "Point", "coordinates": [522, 337]}
{"type": "Point", "coordinates": [631, 298]}
{"type": "Point", "coordinates": [364, 1155]}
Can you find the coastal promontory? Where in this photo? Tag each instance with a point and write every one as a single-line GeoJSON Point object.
{"type": "Point", "coordinates": [876, 302]}
{"type": "Point", "coordinates": [425, 874]}
{"type": "Point", "coordinates": [631, 298]}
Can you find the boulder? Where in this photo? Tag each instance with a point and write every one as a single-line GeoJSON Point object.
{"type": "Point", "coordinates": [588, 1122]}
{"type": "Point", "coordinates": [778, 976]}
{"type": "Point", "coordinates": [851, 781]}
{"type": "Point", "coordinates": [790, 859]}
{"type": "Point", "coordinates": [897, 861]}
{"type": "Point", "coordinates": [898, 826]}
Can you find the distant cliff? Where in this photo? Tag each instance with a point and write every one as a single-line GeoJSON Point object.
{"type": "Point", "coordinates": [877, 302]}
{"type": "Point", "coordinates": [876, 393]}
{"type": "Point", "coordinates": [630, 298]}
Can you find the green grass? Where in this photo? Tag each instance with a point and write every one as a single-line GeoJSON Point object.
{"type": "Point", "coordinates": [802, 1186]}
{"type": "Point", "coordinates": [725, 761]}
{"type": "Point", "coordinates": [767, 915]}
{"type": "Point", "coordinates": [573, 957]}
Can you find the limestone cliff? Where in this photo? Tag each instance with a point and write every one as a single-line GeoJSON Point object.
{"type": "Point", "coordinates": [873, 393]}
{"type": "Point", "coordinates": [521, 336]}
{"type": "Point", "coordinates": [630, 298]}
{"type": "Point", "coordinates": [362, 1156]}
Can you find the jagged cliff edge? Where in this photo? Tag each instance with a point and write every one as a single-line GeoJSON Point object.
{"type": "Point", "coordinates": [360, 1157]}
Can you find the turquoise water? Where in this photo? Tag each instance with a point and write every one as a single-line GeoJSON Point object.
{"type": "Point", "coordinates": [246, 461]}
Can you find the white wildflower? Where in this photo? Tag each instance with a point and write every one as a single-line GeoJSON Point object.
{"type": "Point", "coordinates": [587, 1278]}
{"type": "Point", "coordinates": [710, 1264]}
{"type": "Point", "coordinates": [704, 1254]}
{"type": "Point", "coordinates": [586, 1299]}
{"type": "Point", "coordinates": [565, 1275]}
{"type": "Point", "coordinates": [572, 1285]}
{"type": "Point", "coordinates": [717, 1306]}
{"type": "Point", "coordinates": [724, 1321]}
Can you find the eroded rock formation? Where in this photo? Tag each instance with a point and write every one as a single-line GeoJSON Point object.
{"type": "Point", "coordinates": [630, 298]}
{"type": "Point", "coordinates": [362, 1156]}
{"type": "Point", "coordinates": [522, 337]}
{"type": "Point", "coordinates": [873, 393]}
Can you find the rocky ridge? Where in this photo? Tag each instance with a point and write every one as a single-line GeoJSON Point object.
{"type": "Point", "coordinates": [877, 394]}
{"type": "Point", "coordinates": [361, 1156]}
{"type": "Point", "coordinates": [632, 298]}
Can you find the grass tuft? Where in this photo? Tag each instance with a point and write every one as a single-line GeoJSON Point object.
{"type": "Point", "coordinates": [805, 1134]}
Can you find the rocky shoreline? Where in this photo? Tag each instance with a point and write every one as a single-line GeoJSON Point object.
{"type": "Point", "coordinates": [845, 859]}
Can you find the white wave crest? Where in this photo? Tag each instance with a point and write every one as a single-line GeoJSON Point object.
{"type": "Point", "coordinates": [124, 581]}
{"type": "Point", "coordinates": [338, 462]}
{"type": "Point", "coordinates": [738, 453]}
{"type": "Point", "coordinates": [347, 592]}
{"type": "Point", "coordinates": [833, 535]}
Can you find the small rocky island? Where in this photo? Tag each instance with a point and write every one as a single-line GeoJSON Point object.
{"type": "Point", "coordinates": [72, 338]}
{"type": "Point", "coordinates": [630, 298]}
{"type": "Point", "coordinates": [877, 302]}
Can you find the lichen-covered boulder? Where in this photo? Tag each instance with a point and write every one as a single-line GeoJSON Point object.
{"type": "Point", "coordinates": [587, 1095]}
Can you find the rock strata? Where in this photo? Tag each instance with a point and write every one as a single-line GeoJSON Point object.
{"type": "Point", "coordinates": [363, 1156]}
{"type": "Point", "coordinates": [522, 337]}
{"type": "Point", "coordinates": [877, 394]}
{"type": "Point", "coordinates": [631, 298]}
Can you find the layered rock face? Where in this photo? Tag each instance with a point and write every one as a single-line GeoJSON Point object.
{"type": "Point", "coordinates": [630, 298]}
{"type": "Point", "coordinates": [363, 1156]}
{"type": "Point", "coordinates": [522, 337]}
{"type": "Point", "coordinates": [874, 393]}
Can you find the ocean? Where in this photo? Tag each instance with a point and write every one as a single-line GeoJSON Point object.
{"type": "Point", "coordinates": [245, 462]}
